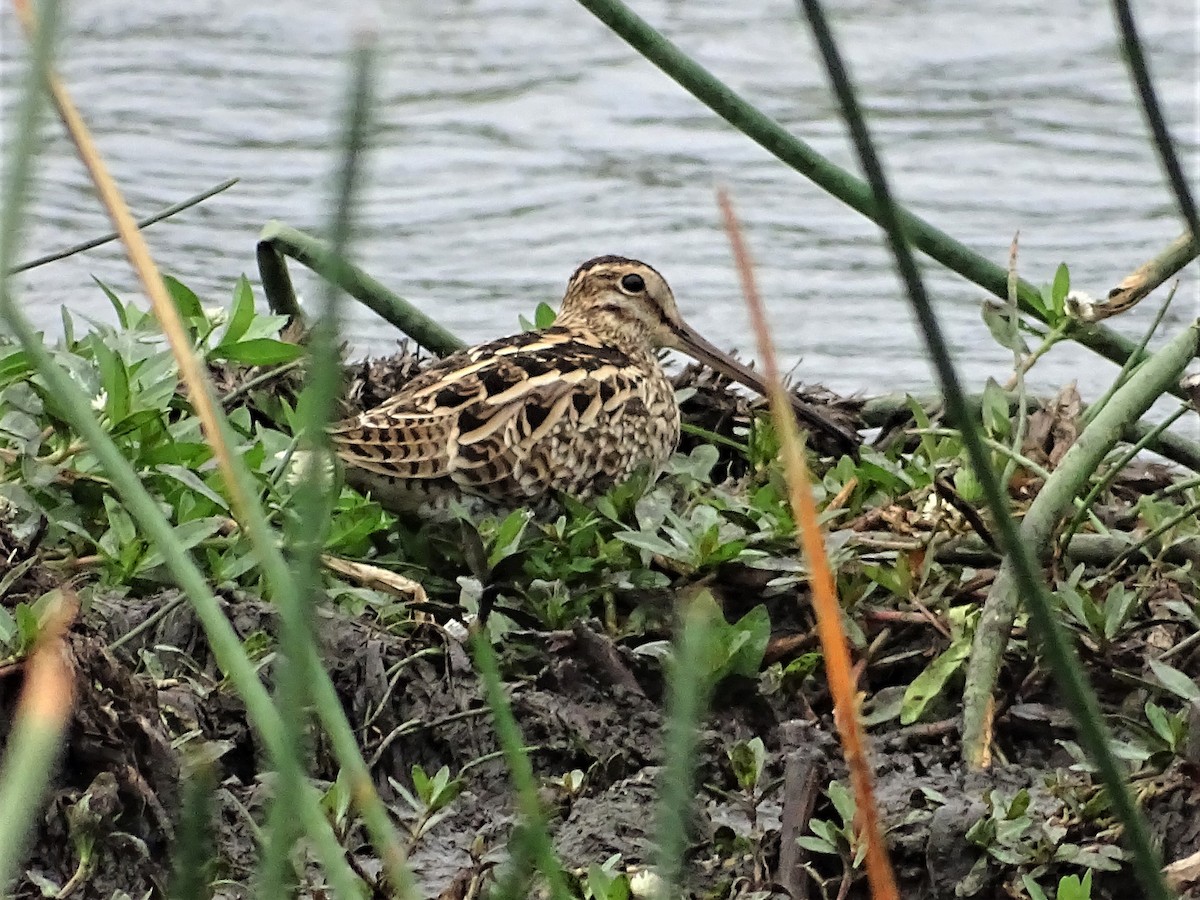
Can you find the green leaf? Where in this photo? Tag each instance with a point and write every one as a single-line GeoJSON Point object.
{"type": "Point", "coordinates": [185, 299]}
{"type": "Point", "coordinates": [508, 537]}
{"type": "Point", "coordinates": [8, 626]}
{"type": "Point", "coordinates": [1035, 892]}
{"type": "Point", "coordinates": [652, 543]}
{"type": "Point", "coordinates": [258, 352]}
{"type": "Point", "coordinates": [1002, 325]}
{"type": "Point", "coordinates": [751, 633]}
{"type": "Point", "coordinates": [1175, 681]}
{"type": "Point", "coordinates": [995, 409]}
{"type": "Point", "coordinates": [15, 366]}
{"type": "Point", "coordinates": [28, 627]}
{"type": "Point", "coordinates": [242, 314]}
{"type": "Point", "coordinates": [747, 759]}
{"type": "Point", "coordinates": [1160, 723]}
{"type": "Point", "coordinates": [191, 481]}
{"type": "Point", "coordinates": [817, 844]}
{"type": "Point", "coordinates": [421, 783]}
{"type": "Point", "coordinates": [187, 535]}
{"type": "Point", "coordinates": [115, 301]}
{"type": "Point", "coordinates": [544, 315]}
{"type": "Point", "coordinates": [843, 801]}
{"type": "Point", "coordinates": [1019, 806]}
{"type": "Point", "coordinates": [1060, 288]}
{"type": "Point", "coordinates": [1118, 606]}
{"type": "Point", "coordinates": [930, 683]}
{"type": "Point", "coordinates": [114, 379]}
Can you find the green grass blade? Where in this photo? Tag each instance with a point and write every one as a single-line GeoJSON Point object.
{"type": "Point", "coordinates": [1059, 651]}
{"type": "Point", "coordinates": [520, 769]}
{"type": "Point", "coordinates": [1131, 44]}
{"type": "Point", "coordinates": [689, 693]}
{"type": "Point", "coordinates": [34, 743]}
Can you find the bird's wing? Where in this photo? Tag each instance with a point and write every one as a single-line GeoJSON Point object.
{"type": "Point", "coordinates": [473, 416]}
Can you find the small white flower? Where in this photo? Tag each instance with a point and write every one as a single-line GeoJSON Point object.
{"type": "Point", "coordinates": [100, 401]}
{"type": "Point", "coordinates": [646, 884]}
{"type": "Point", "coordinates": [216, 314]}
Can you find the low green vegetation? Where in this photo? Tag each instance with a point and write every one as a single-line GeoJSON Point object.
{"type": "Point", "coordinates": [714, 534]}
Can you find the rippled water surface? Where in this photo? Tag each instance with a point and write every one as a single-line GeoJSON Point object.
{"type": "Point", "coordinates": [515, 139]}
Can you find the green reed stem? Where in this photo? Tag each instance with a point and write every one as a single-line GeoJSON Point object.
{"type": "Point", "coordinates": [31, 755]}
{"type": "Point", "coordinates": [1037, 527]}
{"type": "Point", "coordinates": [1091, 412]}
{"type": "Point", "coordinates": [852, 191]}
{"type": "Point", "coordinates": [1114, 470]}
{"type": "Point", "coordinates": [278, 240]}
{"type": "Point", "coordinates": [1020, 557]}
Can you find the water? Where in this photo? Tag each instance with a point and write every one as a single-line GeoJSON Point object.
{"type": "Point", "coordinates": [514, 140]}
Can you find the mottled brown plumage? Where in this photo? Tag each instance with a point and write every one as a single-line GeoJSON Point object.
{"type": "Point", "coordinates": [577, 407]}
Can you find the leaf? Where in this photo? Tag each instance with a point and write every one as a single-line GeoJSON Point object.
{"type": "Point", "coordinates": [114, 379]}
{"type": "Point", "coordinates": [1019, 806]}
{"type": "Point", "coordinates": [1002, 325]}
{"type": "Point", "coordinates": [751, 633]}
{"type": "Point", "coordinates": [187, 536]}
{"type": "Point", "coordinates": [8, 626]}
{"type": "Point", "coordinates": [14, 366]}
{"type": "Point", "coordinates": [816, 844]}
{"type": "Point", "coordinates": [843, 802]}
{"type": "Point", "coordinates": [651, 543]}
{"type": "Point", "coordinates": [995, 409]}
{"type": "Point", "coordinates": [544, 315]}
{"type": "Point", "coordinates": [508, 537]}
{"type": "Point", "coordinates": [1060, 288]}
{"type": "Point", "coordinates": [747, 759]}
{"type": "Point", "coordinates": [930, 683]}
{"type": "Point", "coordinates": [1175, 681]}
{"type": "Point", "coordinates": [1160, 723]}
{"type": "Point", "coordinates": [258, 352]}
{"type": "Point", "coordinates": [242, 314]}
{"type": "Point", "coordinates": [122, 315]}
{"type": "Point", "coordinates": [1035, 892]}
{"type": "Point", "coordinates": [191, 480]}
{"type": "Point", "coordinates": [185, 299]}
{"type": "Point", "coordinates": [421, 783]}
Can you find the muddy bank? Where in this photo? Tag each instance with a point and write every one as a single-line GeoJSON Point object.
{"type": "Point", "coordinates": [154, 714]}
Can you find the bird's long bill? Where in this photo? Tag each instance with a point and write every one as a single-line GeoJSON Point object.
{"type": "Point", "coordinates": [695, 345]}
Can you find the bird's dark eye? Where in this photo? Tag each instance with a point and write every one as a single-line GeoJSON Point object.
{"type": "Point", "coordinates": [633, 284]}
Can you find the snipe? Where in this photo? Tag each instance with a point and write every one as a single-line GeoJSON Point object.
{"type": "Point", "coordinates": [577, 407]}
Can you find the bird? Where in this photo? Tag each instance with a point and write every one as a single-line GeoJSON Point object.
{"type": "Point", "coordinates": [574, 408]}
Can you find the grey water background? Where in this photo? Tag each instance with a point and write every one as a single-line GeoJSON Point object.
{"type": "Point", "coordinates": [514, 139]}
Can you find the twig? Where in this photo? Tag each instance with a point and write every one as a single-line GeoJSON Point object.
{"type": "Point", "coordinates": [1014, 320]}
{"type": "Point", "coordinates": [113, 235]}
{"type": "Point", "coordinates": [1149, 275]}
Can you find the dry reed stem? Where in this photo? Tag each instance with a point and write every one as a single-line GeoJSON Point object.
{"type": "Point", "coordinates": [835, 646]}
{"type": "Point", "coordinates": [190, 370]}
